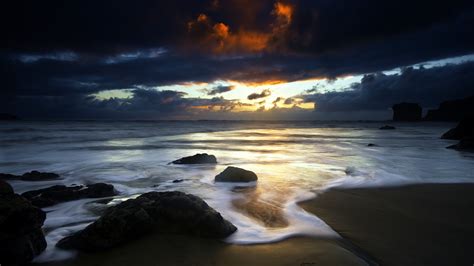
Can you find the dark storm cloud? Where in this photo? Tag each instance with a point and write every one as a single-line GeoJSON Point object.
{"type": "Point", "coordinates": [220, 89]}
{"type": "Point", "coordinates": [379, 91]}
{"type": "Point", "coordinates": [263, 94]}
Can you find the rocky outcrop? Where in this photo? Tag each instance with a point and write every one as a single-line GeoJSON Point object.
{"type": "Point", "coordinates": [200, 158]}
{"type": "Point", "coordinates": [21, 236]}
{"type": "Point", "coordinates": [407, 112]}
{"type": "Point", "coordinates": [153, 212]}
{"type": "Point", "coordinates": [31, 176]}
{"type": "Point", "coordinates": [464, 132]}
{"type": "Point", "coordinates": [387, 127]}
{"type": "Point", "coordinates": [56, 194]}
{"type": "Point", "coordinates": [235, 174]}
{"type": "Point", "coordinates": [454, 110]}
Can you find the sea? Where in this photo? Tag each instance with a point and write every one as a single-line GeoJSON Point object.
{"type": "Point", "coordinates": [294, 161]}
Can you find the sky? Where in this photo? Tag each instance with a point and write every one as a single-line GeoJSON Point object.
{"type": "Point", "coordinates": [234, 59]}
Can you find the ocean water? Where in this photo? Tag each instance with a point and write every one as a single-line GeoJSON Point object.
{"type": "Point", "coordinates": [293, 160]}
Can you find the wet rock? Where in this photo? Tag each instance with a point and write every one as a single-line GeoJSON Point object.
{"type": "Point", "coordinates": [454, 110]}
{"type": "Point", "coordinates": [407, 112]}
{"type": "Point", "coordinates": [153, 212]}
{"type": "Point", "coordinates": [466, 144]}
{"type": "Point", "coordinates": [56, 194]}
{"type": "Point", "coordinates": [178, 180]}
{"type": "Point", "coordinates": [21, 236]}
{"type": "Point", "coordinates": [465, 129]}
{"type": "Point", "coordinates": [200, 158]}
{"type": "Point", "coordinates": [387, 127]}
{"type": "Point", "coordinates": [31, 176]}
{"type": "Point", "coordinates": [235, 174]}
{"type": "Point", "coordinates": [372, 145]}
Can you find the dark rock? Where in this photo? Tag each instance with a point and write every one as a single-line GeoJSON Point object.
{"type": "Point", "coordinates": [454, 110]}
{"type": "Point", "coordinates": [466, 144]}
{"type": "Point", "coordinates": [5, 116]}
{"type": "Point", "coordinates": [464, 129]}
{"type": "Point", "coordinates": [407, 112]}
{"type": "Point", "coordinates": [21, 236]}
{"type": "Point", "coordinates": [387, 127]}
{"type": "Point", "coordinates": [200, 158]}
{"type": "Point", "coordinates": [372, 145]}
{"type": "Point", "coordinates": [56, 194]}
{"type": "Point", "coordinates": [153, 212]}
{"type": "Point", "coordinates": [31, 176]}
{"type": "Point", "coordinates": [178, 180]}
{"type": "Point", "coordinates": [235, 174]}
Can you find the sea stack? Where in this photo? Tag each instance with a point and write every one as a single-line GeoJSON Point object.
{"type": "Point", "coordinates": [407, 112]}
{"type": "Point", "coordinates": [454, 110]}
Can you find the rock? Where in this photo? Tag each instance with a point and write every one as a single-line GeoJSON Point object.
{"type": "Point", "coordinates": [466, 144]}
{"type": "Point", "coordinates": [56, 194]}
{"type": "Point", "coordinates": [464, 129]}
{"type": "Point", "coordinates": [235, 174]}
{"type": "Point", "coordinates": [152, 212]}
{"type": "Point", "coordinates": [454, 110]}
{"type": "Point", "coordinates": [200, 158]}
{"type": "Point", "coordinates": [387, 127]}
{"type": "Point", "coordinates": [372, 145]}
{"type": "Point", "coordinates": [5, 116]}
{"type": "Point", "coordinates": [407, 112]}
{"type": "Point", "coordinates": [21, 236]}
{"type": "Point", "coordinates": [31, 176]}
{"type": "Point", "coordinates": [178, 180]}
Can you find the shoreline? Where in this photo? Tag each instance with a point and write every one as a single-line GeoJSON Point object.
{"type": "Point", "coordinates": [417, 224]}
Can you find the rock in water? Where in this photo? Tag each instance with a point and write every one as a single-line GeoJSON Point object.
{"type": "Point", "coordinates": [407, 112]}
{"type": "Point", "coordinates": [387, 127]}
{"type": "Point", "coordinates": [59, 193]}
{"type": "Point", "coordinates": [454, 110]}
{"type": "Point", "coordinates": [31, 176]}
{"type": "Point", "coordinates": [465, 129]}
{"type": "Point", "coordinates": [200, 158]}
{"type": "Point", "coordinates": [235, 174]}
{"type": "Point", "coordinates": [153, 212]}
{"type": "Point", "coordinates": [21, 236]}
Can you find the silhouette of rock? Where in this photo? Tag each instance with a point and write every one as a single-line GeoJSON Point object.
{"type": "Point", "coordinates": [387, 127]}
{"type": "Point", "coordinates": [372, 145]}
{"type": "Point", "coordinates": [5, 116]}
{"type": "Point", "coordinates": [454, 110]}
{"type": "Point", "coordinates": [31, 176]}
{"type": "Point", "coordinates": [235, 174]}
{"type": "Point", "coordinates": [153, 212]}
{"type": "Point", "coordinates": [200, 158]}
{"type": "Point", "coordinates": [464, 132]}
{"type": "Point", "coordinates": [407, 112]}
{"type": "Point", "coordinates": [21, 236]}
{"type": "Point", "coordinates": [178, 180]}
{"type": "Point", "coordinates": [56, 194]}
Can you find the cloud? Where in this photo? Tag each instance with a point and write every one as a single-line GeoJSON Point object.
{"type": "Point", "coordinates": [380, 91]}
{"type": "Point", "coordinates": [220, 89]}
{"type": "Point", "coordinates": [263, 94]}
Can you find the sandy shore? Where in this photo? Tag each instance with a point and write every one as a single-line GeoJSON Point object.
{"type": "Point", "coordinates": [430, 224]}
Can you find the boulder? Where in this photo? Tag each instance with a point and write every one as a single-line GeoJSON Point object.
{"type": "Point", "coordinates": [153, 212]}
{"type": "Point", "coordinates": [407, 112]}
{"type": "Point", "coordinates": [387, 127]}
{"type": "Point", "coordinates": [454, 110]}
{"type": "Point", "coordinates": [235, 174]}
{"type": "Point", "coordinates": [200, 158]}
{"type": "Point", "coordinates": [21, 236]}
{"type": "Point", "coordinates": [372, 145]}
{"type": "Point", "coordinates": [56, 194]}
{"type": "Point", "coordinates": [464, 129]}
{"type": "Point", "coordinates": [31, 176]}
{"type": "Point", "coordinates": [466, 144]}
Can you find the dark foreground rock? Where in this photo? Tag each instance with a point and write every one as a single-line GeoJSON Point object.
{"type": "Point", "coordinates": [407, 112]}
{"type": "Point", "coordinates": [8, 117]}
{"type": "Point", "coordinates": [463, 145]}
{"type": "Point", "coordinates": [56, 194]}
{"type": "Point", "coordinates": [200, 158]}
{"type": "Point", "coordinates": [21, 236]}
{"type": "Point", "coordinates": [454, 110]}
{"type": "Point", "coordinates": [387, 127]}
{"type": "Point", "coordinates": [154, 212]}
{"type": "Point", "coordinates": [235, 174]}
{"type": "Point", "coordinates": [31, 176]}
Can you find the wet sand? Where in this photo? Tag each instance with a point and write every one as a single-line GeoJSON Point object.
{"type": "Point", "coordinates": [430, 224]}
